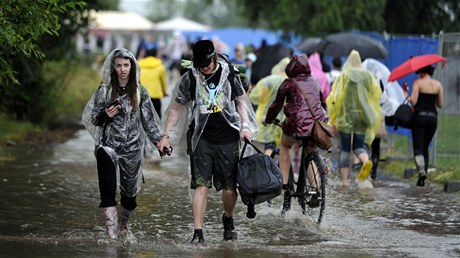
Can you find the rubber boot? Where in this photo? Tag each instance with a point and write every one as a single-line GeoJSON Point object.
{"type": "Point", "coordinates": [365, 171]}
{"type": "Point", "coordinates": [124, 219]}
{"type": "Point", "coordinates": [111, 222]}
{"type": "Point", "coordinates": [375, 162]}
{"type": "Point", "coordinates": [420, 164]}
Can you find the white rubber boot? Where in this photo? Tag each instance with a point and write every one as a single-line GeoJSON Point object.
{"type": "Point", "coordinates": [111, 222]}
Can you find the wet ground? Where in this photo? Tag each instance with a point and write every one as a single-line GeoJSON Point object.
{"type": "Point", "coordinates": [49, 208]}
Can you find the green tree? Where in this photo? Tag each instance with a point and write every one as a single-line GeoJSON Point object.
{"type": "Point", "coordinates": [315, 17]}
{"type": "Point", "coordinates": [31, 31]}
{"type": "Point", "coordinates": [422, 16]}
{"type": "Point", "coordinates": [22, 23]}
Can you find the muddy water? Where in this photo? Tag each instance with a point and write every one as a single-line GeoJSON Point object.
{"type": "Point", "coordinates": [49, 197]}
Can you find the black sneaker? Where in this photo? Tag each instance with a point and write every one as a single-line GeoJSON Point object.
{"type": "Point", "coordinates": [286, 202]}
{"type": "Point", "coordinates": [198, 236]}
{"type": "Point", "coordinates": [229, 228]}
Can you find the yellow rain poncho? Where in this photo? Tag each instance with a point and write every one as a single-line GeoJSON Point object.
{"type": "Point", "coordinates": [353, 103]}
{"type": "Point", "coordinates": [263, 95]}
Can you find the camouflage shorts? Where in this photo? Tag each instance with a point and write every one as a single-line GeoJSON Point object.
{"type": "Point", "coordinates": [216, 164]}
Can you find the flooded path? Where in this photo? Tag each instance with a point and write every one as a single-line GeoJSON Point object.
{"type": "Point", "coordinates": [49, 208]}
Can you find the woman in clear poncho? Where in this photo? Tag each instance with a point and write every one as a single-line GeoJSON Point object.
{"type": "Point", "coordinates": [354, 110]}
{"type": "Point", "coordinates": [118, 116]}
{"type": "Point", "coordinates": [263, 95]}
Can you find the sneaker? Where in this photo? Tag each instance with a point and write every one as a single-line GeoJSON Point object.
{"type": "Point", "coordinates": [229, 228]}
{"type": "Point", "coordinates": [198, 236]}
{"type": "Point", "coordinates": [365, 171]}
{"type": "Point", "coordinates": [286, 202]}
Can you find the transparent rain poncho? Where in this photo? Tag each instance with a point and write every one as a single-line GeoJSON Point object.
{"type": "Point", "coordinates": [263, 95]}
{"type": "Point", "coordinates": [124, 136]}
{"type": "Point", "coordinates": [353, 103]}
{"type": "Point", "coordinates": [183, 108]}
{"type": "Point", "coordinates": [393, 95]}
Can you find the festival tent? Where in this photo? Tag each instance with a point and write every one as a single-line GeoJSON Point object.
{"type": "Point", "coordinates": [119, 21]}
{"type": "Point", "coordinates": [181, 24]}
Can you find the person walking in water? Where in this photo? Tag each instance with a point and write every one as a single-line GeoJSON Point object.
{"type": "Point", "coordinates": [118, 116]}
{"type": "Point", "coordinates": [221, 115]}
{"type": "Point", "coordinates": [354, 110]}
{"type": "Point", "coordinates": [427, 94]}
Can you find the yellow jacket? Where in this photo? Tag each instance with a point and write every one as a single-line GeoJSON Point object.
{"type": "Point", "coordinates": [153, 76]}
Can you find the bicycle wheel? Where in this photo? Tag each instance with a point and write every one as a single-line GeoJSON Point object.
{"type": "Point", "coordinates": [311, 186]}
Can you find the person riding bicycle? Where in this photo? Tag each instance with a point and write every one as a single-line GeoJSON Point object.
{"type": "Point", "coordinates": [299, 121]}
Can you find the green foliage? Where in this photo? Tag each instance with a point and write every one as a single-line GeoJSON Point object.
{"type": "Point", "coordinates": [307, 17]}
{"type": "Point", "coordinates": [33, 30]}
{"type": "Point", "coordinates": [422, 16]}
{"type": "Point", "coordinates": [317, 17]}
{"type": "Point", "coordinates": [22, 23]}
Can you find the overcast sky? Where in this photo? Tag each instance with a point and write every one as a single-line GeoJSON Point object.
{"type": "Point", "coordinates": [138, 6]}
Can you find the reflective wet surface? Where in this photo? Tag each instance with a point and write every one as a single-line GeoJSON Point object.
{"type": "Point", "coordinates": [49, 208]}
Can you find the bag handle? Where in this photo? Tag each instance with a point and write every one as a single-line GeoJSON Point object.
{"type": "Point", "coordinates": [246, 142]}
{"type": "Point", "coordinates": [306, 99]}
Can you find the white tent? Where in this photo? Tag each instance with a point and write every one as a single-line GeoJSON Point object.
{"type": "Point", "coordinates": [124, 21]}
{"type": "Point", "coordinates": [180, 24]}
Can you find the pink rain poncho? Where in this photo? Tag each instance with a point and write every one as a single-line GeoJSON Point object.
{"type": "Point", "coordinates": [317, 73]}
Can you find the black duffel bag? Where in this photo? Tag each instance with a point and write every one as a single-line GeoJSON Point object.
{"type": "Point", "coordinates": [259, 179]}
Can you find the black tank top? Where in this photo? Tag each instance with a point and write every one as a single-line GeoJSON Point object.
{"type": "Point", "coordinates": [426, 102]}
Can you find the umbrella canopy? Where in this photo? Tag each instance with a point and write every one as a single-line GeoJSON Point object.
{"type": "Point", "coordinates": [308, 45]}
{"type": "Point", "coordinates": [341, 44]}
{"type": "Point", "coordinates": [413, 64]}
{"type": "Point", "coordinates": [266, 59]}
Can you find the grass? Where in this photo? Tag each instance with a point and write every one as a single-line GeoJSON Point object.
{"type": "Point", "coordinates": [76, 82]}
{"type": "Point", "coordinates": [12, 130]}
{"type": "Point", "coordinates": [447, 159]}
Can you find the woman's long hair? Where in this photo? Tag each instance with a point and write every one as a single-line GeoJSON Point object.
{"type": "Point", "coordinates": [131, 86]}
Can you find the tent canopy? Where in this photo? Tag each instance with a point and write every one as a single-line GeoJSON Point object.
{"type": "Point", "coordinates": [114, 20]}
{"type": "Point", "coordinates": [181, 24]}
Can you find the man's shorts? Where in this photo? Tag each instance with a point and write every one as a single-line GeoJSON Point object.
{"type": "Point", "coordinates": [214, 163]}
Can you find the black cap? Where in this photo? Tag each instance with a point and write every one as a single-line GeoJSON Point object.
{"type": "Point", "coordinates": [203, 51]}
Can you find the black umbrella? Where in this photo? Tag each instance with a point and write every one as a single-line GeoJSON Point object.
{"type": "Point", "coordinates": [308, 45]}
{"type": "Point", "coordinates": [266, 59]}
{"type": "Point", "coordinates": [341, 44]}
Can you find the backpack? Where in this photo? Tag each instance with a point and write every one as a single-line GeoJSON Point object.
{"type": "Point", "coordinates": [237, 69]}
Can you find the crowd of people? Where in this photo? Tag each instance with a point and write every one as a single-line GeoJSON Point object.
{"type": "Point", "coordinates": [211, 106]}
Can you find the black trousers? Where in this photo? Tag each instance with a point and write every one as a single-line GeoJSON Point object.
{"type": "Point", "coordinates": [107, 176]}
{"type": "Point", "coordinates": [423, 131]}
{"type": "Point", "coordinates": [157, 105]}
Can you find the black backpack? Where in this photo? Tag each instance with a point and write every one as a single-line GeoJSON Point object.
{"type": "Point", "coordinates": [237, 69]}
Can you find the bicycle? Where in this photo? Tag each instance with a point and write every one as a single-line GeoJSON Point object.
{"type": "Point", "coordinates": [310, 187]}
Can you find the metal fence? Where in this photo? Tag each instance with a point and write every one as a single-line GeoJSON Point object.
{"type": "Point", "coordinates": [447, 140]}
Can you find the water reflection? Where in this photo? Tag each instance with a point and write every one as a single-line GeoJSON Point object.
{"type": "Point", "coordinates": [49, 197]}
